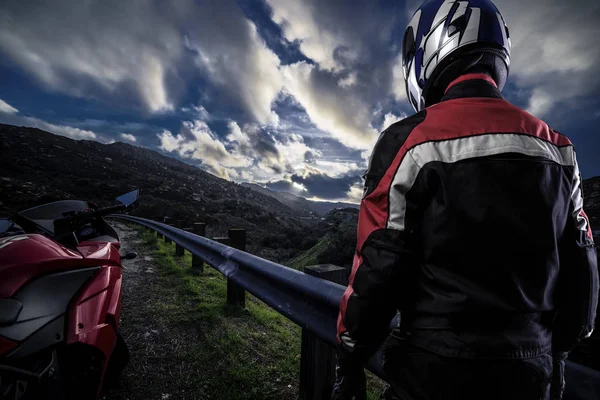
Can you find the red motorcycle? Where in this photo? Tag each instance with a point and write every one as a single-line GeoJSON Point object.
{"type": "Point", "coordinates": [60, 300]}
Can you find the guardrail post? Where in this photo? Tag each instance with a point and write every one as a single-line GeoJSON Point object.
{"type": "Point", "coordinates": [167, 240]}
{"type": "Point", "coordinates": [179, 250]}
{"type": "Point", "coordinates": [236, 295]}
{"type": "Point", "coordinates": [317, 358]}
{"type": "Point", "coordinates": [200, 228]}
{"type": "Point", "coordinates": [197, 262]}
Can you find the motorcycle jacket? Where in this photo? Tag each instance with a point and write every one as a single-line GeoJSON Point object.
{"type": "Point", "coordinates": [472, 226]}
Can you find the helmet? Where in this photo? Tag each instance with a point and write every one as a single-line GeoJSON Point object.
{"type": "Point", "coordinates": [447, 38]}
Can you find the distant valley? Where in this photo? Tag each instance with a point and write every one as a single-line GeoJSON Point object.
{"type": "Point", "coordinates": [298, 203]}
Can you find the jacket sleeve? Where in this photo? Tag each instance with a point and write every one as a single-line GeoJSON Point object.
{"type": "Point", "coordinates": [578, 276]}
{"type": "Point", "coordinates": [385, 254]}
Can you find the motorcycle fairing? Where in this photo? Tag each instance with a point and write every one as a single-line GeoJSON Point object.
{"type": "Point", "coordinates": [45, 302]}
{"type": "Point", "coordinates": [25, 257]}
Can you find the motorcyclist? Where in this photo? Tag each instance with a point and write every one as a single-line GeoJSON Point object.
{"type": "Point", "coordinates": [472, 226]}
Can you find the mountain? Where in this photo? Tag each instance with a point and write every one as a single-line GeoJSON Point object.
{"type": "Point", "coordinates": [300, 204]}
{"type": "Point", "coordinates": [40, 167]}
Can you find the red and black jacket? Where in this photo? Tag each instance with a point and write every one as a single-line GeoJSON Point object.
{"type": "Point", "coordinates": [472, 225]}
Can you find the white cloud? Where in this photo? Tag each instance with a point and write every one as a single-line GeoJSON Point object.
{"type": "Point", "coordinates": [298, 23]}
{"type": "Point", "coordinates": [554, 49]}
{"type": "Point", "coordinates": [236, 59]}
{"type": "Point", "coordinates": [346, 116]}
{"type": "Point", "coordinates": [141, 55]}
{"type": "Point", "coordinates": [349, 80]}
{"type": "Point", "coordinates": [90, 48]}
{"type": "Point", "coordinates": [333, 34]}
{"type": "Point", "coordinates": [128, 137]}
{"type": "Point", "coordinates": [63, 130]}
{"type": "Point", "coordinates": [355, 194]}
{"type": "Point", "coordinates": [197, 141]}
{"type": "Point", "coordinates": [391, 118]}
{"type": "Point", "coordinates": [9, 115]}
{"type": "Point", "coordinates": [352, 70]}
{"type": "Point", "coordinates": [7, 108]}
{"type": "Point", "coordinates": [246, 154]}
{"type": "Point", "coordinates": [398, 85]}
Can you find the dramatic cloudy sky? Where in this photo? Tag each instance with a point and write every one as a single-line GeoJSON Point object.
{"type": "Point", "coordinates": [287, 93]}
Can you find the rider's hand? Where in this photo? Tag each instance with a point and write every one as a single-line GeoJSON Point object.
{"type": "Point", "coordinates": [350, 379]}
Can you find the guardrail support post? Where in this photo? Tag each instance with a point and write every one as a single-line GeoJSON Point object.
{"type": "Point", "coordinates": [167, 240]}
{"type": "Point", "coordinates": [236, 295]}
{"type": "Point", "coordinates": [200, 228]}
{"type": "Point", "coordinates": [178, 250]}
{"type": "Point", "coordinates": [197, 262]}
{"type": "Point", "coordinates": [317, 358]}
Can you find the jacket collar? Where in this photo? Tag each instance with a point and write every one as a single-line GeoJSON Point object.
{"type": "Point", "coordinates": [472, 85]}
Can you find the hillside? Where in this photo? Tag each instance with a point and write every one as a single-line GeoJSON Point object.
{"type": "Point", "coordinates": [298, 203]}
{"type": "Point", "coordinates": [337, 232]}
{"type": "Point", "coordinates": [39, 167]}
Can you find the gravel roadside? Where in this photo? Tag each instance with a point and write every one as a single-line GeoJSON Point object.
{"type": "Point", "coordinates": [157, 369]}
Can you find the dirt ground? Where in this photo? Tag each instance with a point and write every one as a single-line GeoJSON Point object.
{"type": "Point", "coordinates": [158, 369]}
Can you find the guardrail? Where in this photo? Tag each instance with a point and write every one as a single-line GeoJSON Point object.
{"type": "Point", "coordinates": [310, 302]}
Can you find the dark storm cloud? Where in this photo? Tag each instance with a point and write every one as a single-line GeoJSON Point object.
{"type": "Point", "coordinates": [309, 157]}
{"type": "Point", "coordinates": [280, 186]}
{"type": "Point", "coordinates": [276, 168]}
{"type": "Point", "coordinates": [266, 148]}
{"type": "Point", "coordinates": [326, 187]}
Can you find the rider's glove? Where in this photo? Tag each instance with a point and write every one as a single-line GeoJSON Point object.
{"type": "Point", "coordinates": [350, 379]}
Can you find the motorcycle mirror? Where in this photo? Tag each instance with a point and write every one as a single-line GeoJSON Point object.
{"type": "Point", "coordinates": [129, 255]}
{"type": "Point", "coordinates": [128, 198]}
{"type": "Point", "coordinates": [5, 225]}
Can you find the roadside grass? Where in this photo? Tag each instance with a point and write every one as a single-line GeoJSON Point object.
{"type": "Point", "coordinates": [309, 257]}
{"type": "Point", "coordinates": [246, 354]}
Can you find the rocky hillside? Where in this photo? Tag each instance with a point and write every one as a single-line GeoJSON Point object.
{"type": "Point", "coordinates": [300, 204]}
{"type": "Point", "coordinates": [39, 167]}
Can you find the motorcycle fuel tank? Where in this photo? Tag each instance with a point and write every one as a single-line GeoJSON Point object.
{"type": "Point", "coordinates": [24, 257]}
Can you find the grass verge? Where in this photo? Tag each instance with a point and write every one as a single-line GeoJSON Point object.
{"type": "Point", "coordinates": [310, 256]}
{"type": "Point", "coordinates": [246, 354]}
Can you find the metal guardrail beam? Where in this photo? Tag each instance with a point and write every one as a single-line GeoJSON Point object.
{"type": "Point", "coordinates": [310, 302]}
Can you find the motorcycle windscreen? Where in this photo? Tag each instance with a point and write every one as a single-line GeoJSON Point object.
{"type": "Point", "coordinates": [45, 215]}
